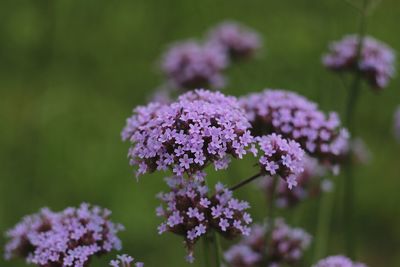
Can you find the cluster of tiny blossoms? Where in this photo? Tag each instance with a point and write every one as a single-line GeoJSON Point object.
{"type": "Point", "coordinates": [338, 261]}
{"type": "Point", "coordinates": [191, 213]}
{"type": "Point", "coordinates": [190, 65]}
{"type": "Point", "coordinates": [299, 119]}
{"type": "Point", "coordinates": [281, 157]}
{"type": "Point", "coordinates": [67, 238]}
{"type": "Point", "coordinates": [286, 246]}
{"type": "Point", "coordinates": [376, 62]}
{"type": "Point", "coordinates": [238, 41]}
{"type": "Point", "coordinates": [309, 184]}
{"type": "Point", "coordinates": [201, 127]}
{"type": "Point", "coordinates": [125, 261]}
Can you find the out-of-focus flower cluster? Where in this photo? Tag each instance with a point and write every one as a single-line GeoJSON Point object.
{"type": "Point", "coordinates": [125, 261]}
{"type": "Point", "coordinates": [299, 119]}
{"type": "Point", "coordinates": [67, 238]}
{"type": "Point", "coordinates": [397, 124]}
{"type": "Point", "coordinates": [281, 157]}
{"type": "Point", "coordinates": [338, 261]}
{"type": "Point", "coordinates": [202, 127]}
{"type": "Point", "coordinates": [376, 60]}
{"type": "Point", "coordinates": [238, 41]}
{"type": "Point", "coordinates": [309, 185]}
{"type": "Point", "coordinates": [286, 246]}
{"type": "Point", "coordinates": [191, 213]}
{"type": "Point", "coordinates": [360, 153]}
{"type": "Point", "coordinates": [192, 65]}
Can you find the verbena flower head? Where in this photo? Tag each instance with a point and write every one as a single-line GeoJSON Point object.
{"type": "Point", "coordinates": [295, 117]}
{"type": "Point", "coordinates": [376, 61]}
{"type": "Point", "coordinates": [125, 261]}
{"type": "Point", "coordinates": [310, 184]}
{"type": "Point", "coordinates": [191, 213]}
{"type": "Point", "coordinates": [190, 65]}
{"type": "Point", "coordinates": [202, 127]}
{"type": "Point", "coordinates": [238, 41]}
{"type": "Point", "coordinates": [281, 157]}
{"type": "Point", "coordinates": [67, 238]}
{"type": "Point", "coordinates": [397, 124]}
{"type": "Point", "coordinates": [286, 247]}
{"type": "Point", "coordinates": [338, 261]}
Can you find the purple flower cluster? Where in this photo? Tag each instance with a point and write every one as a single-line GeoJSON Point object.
{"type": "Point", "coordinates": [376, 62]}
{"type": "Point", "coordinates": [67, 238]}
{"type": "Point", "coordinates": [189, 65]}
{"type": "Point", "coordinates": [286, 247]}
{"type": "Point", "coordinates": [191, 213]}
{"type": "Point", "coordinates": [397, 123]}
{"type": "Point", "coordinates": [125, 261]}
{"type": "Point", "coordinates": [202, 127]}
{"type": "Point", "coordinates": [281, 157]}
{"type": "Point", "coordinates": [237, 40]}
{"type": "Point", "coordinates": [338, 261]}
{"type": "Point", "coordinates": [309, 184]}
{"type": "Point", "coordinates": [299, 119]}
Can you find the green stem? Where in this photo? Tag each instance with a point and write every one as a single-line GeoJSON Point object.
{"type": "Point", "coordinates": [349, 189]}
{"type": "Point", "coordinates": [271, 213]}
{"type": "Point", "coordinates": [206, 246]}
{"type": "Point", "coordinates": [323, 225]}
{"type": "Point", "coordinates": [244, 182]}
{"type": "Point", "coordinates": [217, 245]}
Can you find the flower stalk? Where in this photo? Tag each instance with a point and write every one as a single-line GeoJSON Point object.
{"type": "Point", "coordinates": [244, 182]}
{"type": "Point", "coordinates": [354, 92]}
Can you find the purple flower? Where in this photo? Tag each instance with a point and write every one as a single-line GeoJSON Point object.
{"type": "Point", "coordinates": [125, 261]}
{"type": "Point", "coordinates": [242, 256]}
{"type": "Point", "coordinates": [338, 261]}
{"type": "Point", "coordinates": [376, 61]}
{"type": "Point", "coordinates": [190, 65]}
{"type": "Point", "coordinates": [309, 185]}
{"type": "Point", "coordinates": [397, 124]}
{"type": "Point", "coordinates": [296, 118]}
{"type": "Point", "coordinates": [202, 127]}
{"type": "Point", "coordinates": [191, 213]}
{"type": "Point", "coordinates": [67, 238]}
{"type": "Point", "coordinates": [237, 40]}
{"type": "Point", "coordinates": [281, 157]}
{"type": "Point", "coordinates": [286, 247]}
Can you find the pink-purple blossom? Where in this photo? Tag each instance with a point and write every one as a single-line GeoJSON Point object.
{"type": "Point", "coordinates": [200, 128]}
{"type": "Point", "coordinates": [190, 212]}
{"type": "Point", "coordinates": [125, 261]}
{"type": "Point", "coordinates": [67, 238]}
{"type": "Point", "coordinates": [295, 117]}
{"type": "Point", "coordinates": [338, 261]}
{"type": "Point", "coordinates": [189, 65]}
{"type": "Point", "coordinates": [286, 246]}
{"type": "Point", "coordinates": [376, 62]}
{"type": "Point", "coordinates": [237, 40]}
{"type": "Point", "coordinates": [281, 157]}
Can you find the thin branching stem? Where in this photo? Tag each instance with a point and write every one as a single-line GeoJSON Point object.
{"type": "Point", "coordinates": [244, 182]}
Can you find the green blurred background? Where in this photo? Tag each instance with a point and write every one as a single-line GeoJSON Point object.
{"type": "Point", "coordinates": [71, 72]}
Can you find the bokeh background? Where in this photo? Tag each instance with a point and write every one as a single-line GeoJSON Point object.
{"type": "Point", "coordinates": [71, 72]}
